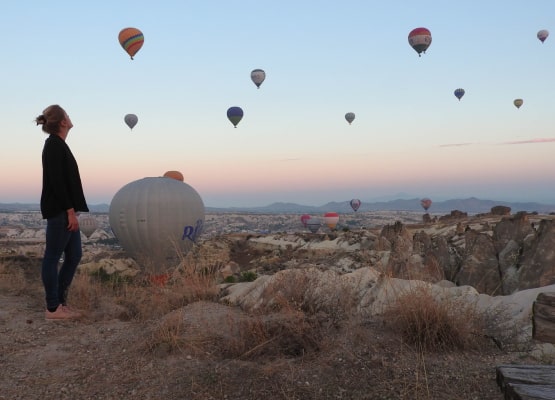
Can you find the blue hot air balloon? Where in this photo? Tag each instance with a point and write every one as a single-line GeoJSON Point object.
{"type": "Point", "coordinates": [234, 114]}
{"type": "Point", "coordinates": [459, 93]}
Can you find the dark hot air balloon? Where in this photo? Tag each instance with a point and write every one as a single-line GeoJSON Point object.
{"type": "Point", "coordinates": [459, 93]}
{"type": "Point", "coordinates": [131, 120]}
{"type": "Point", "coordinates": [234, 114]}
{"type": "Point", "coordinates": [543, 34]}
{"type": "Point", "coordinates": [350, 117]}
{"type": "Point", "coordinates": [355, 204]}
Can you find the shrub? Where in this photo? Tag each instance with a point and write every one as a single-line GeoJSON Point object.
{"type": "Point", "coordinates": [430, 323]}
{"type": "Point", "coordinates": [248, 276]}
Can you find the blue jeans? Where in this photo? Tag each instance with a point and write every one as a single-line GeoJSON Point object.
{"type": "Point", "coordinates": [59, 240]}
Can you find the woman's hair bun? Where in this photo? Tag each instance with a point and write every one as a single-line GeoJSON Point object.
{"type": "Point", "coordinates": [41, 120]}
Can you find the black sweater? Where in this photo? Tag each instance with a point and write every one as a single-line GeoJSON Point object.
{"type": "Point", "coordinates": [61, 182]}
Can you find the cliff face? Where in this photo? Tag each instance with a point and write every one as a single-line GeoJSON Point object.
{"type": "Point", "coordinates": [497, 255]}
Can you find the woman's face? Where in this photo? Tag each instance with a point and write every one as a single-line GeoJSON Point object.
{"type": "Point", "coordinates": [68, 122]}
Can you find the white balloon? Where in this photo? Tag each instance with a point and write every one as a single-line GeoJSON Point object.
{"type": "Point", "coordinates": [313, 224]}
{"type": "Point", "coordinates": [87, 224]}
{"type": "Point", "coordinates": [156, 220]}
{"type": "Point", "coordinates": [258, 76]}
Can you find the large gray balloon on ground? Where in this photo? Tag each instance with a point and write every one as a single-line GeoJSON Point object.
{"type": "Point", "coordinates": [157, 220]}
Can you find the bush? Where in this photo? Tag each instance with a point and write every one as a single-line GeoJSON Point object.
{"type": "Point", "coordinates": [430, 323]}
{"type": "Point", "coordinates": [248, 276]}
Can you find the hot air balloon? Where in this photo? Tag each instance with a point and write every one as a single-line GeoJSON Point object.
{"type": "Point", "coordinates": [304, 219]}
{"type": "Point", "coordinates": [131, 120]}
{"type": "Point", "coordinates": [174, 175]}
{"type": "Point", "coordinates": [258, 76]}
{"type": "Point", "coordinates": [543, 34]}
{"type": "Point", "coordinates": [420, 39]}
{"type": "Point", "coordinates": [355, 204]}
{"type": "Point", "coordinates": [87, 224]}
{"type": "Point", "coordinates": [350, 117]}
{"type": "Point", "coordinates": [234, 114]}
{"type": "Point", "coordinates": [313, 224]}
{"type": "Point", "coordinates": [518, 102]}
{"type": "Point", "coordinates": [155, 219]}
{"type": "Point", "coordinates": [331, 219]}
{"type": "Point", "coordinates": [426, 203]}
{"type": "Point", "coordinates": [131, 39]}
{"type": "Point", "coordinates": [459, 93]}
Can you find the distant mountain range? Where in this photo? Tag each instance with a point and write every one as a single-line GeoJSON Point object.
{"type": "Point", "coordinates": [471, 205]}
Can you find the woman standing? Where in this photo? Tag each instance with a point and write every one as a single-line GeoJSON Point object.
{"type": "Point", "coordinates": [61, 199]}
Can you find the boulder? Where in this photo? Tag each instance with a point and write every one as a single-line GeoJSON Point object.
{"type": "Point", "coordinates": [500, 210]}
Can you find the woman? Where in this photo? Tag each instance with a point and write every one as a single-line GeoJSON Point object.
{"type": "Point", "coordinates": [61, 199]}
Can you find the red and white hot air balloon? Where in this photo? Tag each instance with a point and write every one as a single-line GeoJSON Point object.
{"type": "Point", "coordinates": [331, 219]}
{"type": "Point", "coordinates": [420, 39]}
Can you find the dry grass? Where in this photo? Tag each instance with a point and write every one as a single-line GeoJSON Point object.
{"type": "Point", "coordinates": [304, 340]}
{"type": "Point", "coordinates": [12, 278]}
{"type": "Point", "coordinates": [431, 324]}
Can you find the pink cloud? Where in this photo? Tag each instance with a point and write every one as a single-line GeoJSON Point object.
{"type": "Point", "coordinates": [456, 144]}
{"type": "Point", "coordinates": [539, 140]}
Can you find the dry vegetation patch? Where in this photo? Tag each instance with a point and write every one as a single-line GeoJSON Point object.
{"type": "Point", "coordinates": [303, 340]}
{"type": "Point", "coordinates": [435, 324]}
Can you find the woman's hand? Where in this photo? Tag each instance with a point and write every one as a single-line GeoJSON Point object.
{"type": "Point", "coordinates": [73, 222]}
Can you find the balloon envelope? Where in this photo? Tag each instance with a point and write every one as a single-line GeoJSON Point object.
{"type": "Point", "coordinates": [155, 219]}
{"type": "Point", "coordinates": [131, 120]}
{"type": "Point", "coordinates": [234, 114]}
{"type": "Point", "coordinates": [518, 102]}
{"type": "Point", "coordinates": [304, 219]}
{"type": "Point", "coordinates": [87, 224]}
{"type": "Point", "coordinates": [131, 39]}
{"type": "Point", "coordinates": [174, 175]}
{"type": "Point", "coordinates": [355, 204]}
{"type": "Point", "coordinates": [258, 76]}
{"type": "Point", "coordinates": [350, 117]}
{"type": "Point", "coordinates": [331, 219]}
{"type": "Point", "coordinates": [420, 39]}
{"type": "Point", "coordinates": [313, 224]}
{"type": "Point", "coordinates": [459, 93]}
{"type": "Point", "coordinates": [426, 203]}
{"type": "Point", "coordinates": [543, 34]}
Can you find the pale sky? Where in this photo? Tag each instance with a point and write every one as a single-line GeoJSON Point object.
{"type": "Point", "coordinates": [322, 59]}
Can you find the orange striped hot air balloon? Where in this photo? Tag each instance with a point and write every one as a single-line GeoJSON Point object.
{"type": "Point", "coordinates": [131, 39]}
{"type": "Point", "coordinates": [174, 175]}
{"type": "Point", "coordinates": [331, 219]}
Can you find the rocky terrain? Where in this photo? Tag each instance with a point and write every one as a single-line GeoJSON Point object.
{"type": "Point", "coordinates": [496, 261]}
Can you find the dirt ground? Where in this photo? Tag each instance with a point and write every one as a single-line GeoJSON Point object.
{"type": "Point", "coordinates": [106, 356]}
